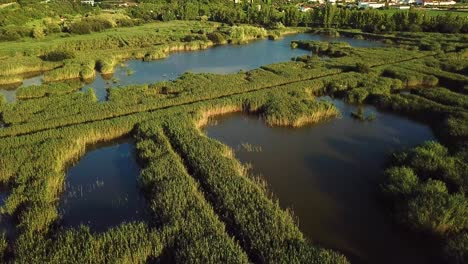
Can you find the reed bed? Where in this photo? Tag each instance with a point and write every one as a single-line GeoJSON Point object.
{"type": "Point", "coordinates": [240, 203]}
{"type": "Point", "coordinates": [45, 133]}
{"type": "Point", "coordinates": [177, 201]}
{"type": "Point", "coordinates": [296, 110]}
{"type": "Point", "coordinates": [427, 187]}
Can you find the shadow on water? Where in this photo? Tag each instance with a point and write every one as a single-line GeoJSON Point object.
{"type": "Point", "coordinates": [7, 223]}
{"type": "Point", "coordinates": [329, 174]}
{"type": "Point", "coordinates": [101, 188]}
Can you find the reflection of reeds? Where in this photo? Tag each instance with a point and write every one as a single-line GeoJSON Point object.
{"type": "Point", "coordinates": [251, 148]}
{"type": "Point", "coordinates": [79, 191]}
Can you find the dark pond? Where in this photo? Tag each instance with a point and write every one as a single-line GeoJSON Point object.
{"type": "Point", "coordinates": [102, 190]}
{"type": "Point", "coordinates": [329, 175]}
{"type": "Point", "coordinates": [220, 59]}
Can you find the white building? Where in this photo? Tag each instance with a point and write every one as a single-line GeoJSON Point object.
{"type": "Point", "coordinates": [88, 2]}
{"type": "Point", "coordinates": [434, 3]}
{"type": "Point", "coordinates": [364, 4]}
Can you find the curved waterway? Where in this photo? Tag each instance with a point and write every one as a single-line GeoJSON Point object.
{"type": "Point", "coordinates": [329, 174]}
{"type": "Point", "coordinates": [102, 189]}
{"type": "Point", "coordinates": [219, 59]}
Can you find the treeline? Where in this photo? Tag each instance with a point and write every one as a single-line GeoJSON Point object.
{"type": "Point", "coordinates": [13, 20]}
{"type": "Point", "coordinates": [271, 16]}
{"type": "Point", "coordinates": [376, 21]}
{"type": "Point", "coordinates": [264, 13]}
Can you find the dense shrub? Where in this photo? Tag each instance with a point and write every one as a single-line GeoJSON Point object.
{"type": "Point", "coordinates": [51, 28]}
{"type": "Point", "coordinates": [362, 67]}
{"type": "Point", "coordinates": [58, 55]}
{"type": "Point", "coordinates": [88, 25]}
{"type": "Point", "coordinates": [12, 33]}
{"type": "Point", "coordinates": [190, 38]}
{"type": "Point", "coordinates": [457, 248]}
{"type": "Point", "coordinates": [217, 38]}
{"type": "Point", "coordinates": [401, 182]}
{"type": "Point", "coordinates": [427, 188]}
{"type": "Point", "coordinates": [331, 49]}
{"type": "Point", "coordinates": [296, 109]}
{"type": "Point", "coordinates": [125, 22]}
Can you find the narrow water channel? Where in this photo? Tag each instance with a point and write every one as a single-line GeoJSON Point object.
{"type": "Point", "coordinates": [329, 174]}
{"type": "Point", "coordinates": [220, 59]}
{"type": "Point", "coordinates": [102, 190]}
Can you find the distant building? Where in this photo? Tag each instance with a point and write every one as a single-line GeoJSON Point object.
{"type": "Point", "coordinates": [369, 4]}
{"type": "Point", "coordinates": [88, 2]}
{"type": "Point", "coordinates": [434, 3]}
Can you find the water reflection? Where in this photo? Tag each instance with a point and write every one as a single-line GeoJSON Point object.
{"type": "Point", "coordinates": [102, 189]}
{"type": "Point", "coordinates": [220, 59]}
{"type": "Point", "coordinates": [329, 174]}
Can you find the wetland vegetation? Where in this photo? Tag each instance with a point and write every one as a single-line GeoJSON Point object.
{"type": "Point", "coordinates": [196, 201]}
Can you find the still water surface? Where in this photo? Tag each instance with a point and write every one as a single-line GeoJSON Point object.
{"type": "Point", "coordinates": [329, 175]}
{"type": "Point", "coordinates": [102, 189]}
{"type": "Point", "coordinates": [220, 59]}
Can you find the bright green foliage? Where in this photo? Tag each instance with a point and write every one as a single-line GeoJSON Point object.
{"type": "Point", "coordinates": [58, 55]}
{"type": "Point", "coordinates": [433, 209]}
{"type": "Point", "coordinates": [2, 100]}
{"type": "Point", "coordinates": [444, 96]}
{"type": "Point", "coordinates": [265, 231]}
{"type": "Point", "coordinates": [432, 160]}
{"type": "Point", "coordinates": [296, 109]}
{"type": "Point", "coordinates": [332, 49]}
{"type": "Point", "coordinates": [401, 182]}
{"type": "Point", "coordinates": [217, 38]}
{"type": "Point", "coordinates": [410, 78]}
{"type": "Point", "coordinates": [128, 243]}
{"type": "Point", "coordinates": [428, 190]}
{"type": "Point", "coordinates": [204, 206]}
{"type": "Point", "coordinates": [176, 201]}
{"type": "Point", "coordinates": [36, 91]}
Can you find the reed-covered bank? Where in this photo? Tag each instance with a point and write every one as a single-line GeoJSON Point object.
{"type": "Point", "coordinates": [52, 126]}
{"type": "Point", "coordinates": [265, 231]}
{"type": "Point", "coordinates": [102, 51]}
{"type": "Point", "coordinates": [176, 200]}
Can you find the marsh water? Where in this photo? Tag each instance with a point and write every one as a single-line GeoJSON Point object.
{"type": "Point", "coordinates": [329, 174]}
{"type": "Point", "coordinates": [219, 59]}
{"type": "Point", "coordinates": [101, 188]}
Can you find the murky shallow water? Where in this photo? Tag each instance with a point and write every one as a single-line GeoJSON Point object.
{"type": "Point", "coordinates": [329, 174]}
{"type": "Point", "coordinates": [102, 189]}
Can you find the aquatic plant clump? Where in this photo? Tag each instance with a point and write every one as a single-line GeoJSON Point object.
{"type": "Point", "coordinates": [296, 110]}
{"type": "Point", "coordinates": [427, 187]}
